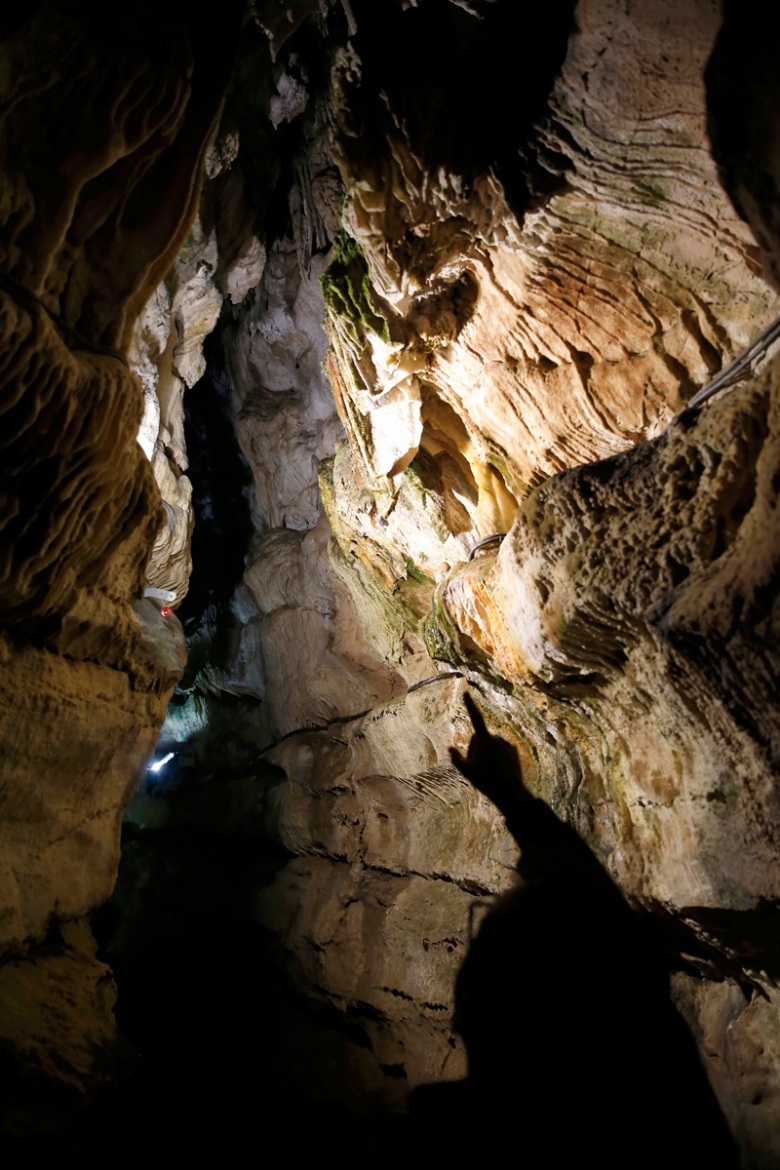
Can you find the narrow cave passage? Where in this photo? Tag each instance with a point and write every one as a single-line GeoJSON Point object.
{"type": "Point", "coordinates": [198, 991]}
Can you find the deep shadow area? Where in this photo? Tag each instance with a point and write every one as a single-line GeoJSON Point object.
{"type": "Point", "coordinates": [211, 1012]}
{"type": "Point", "coordinates": [575, 1050]}
{"type": "Point", "coordinates": [220, 481]}
{"type": "Point", "coordinates": [576, 1053]}
{"type": "Point", "coordinates": [467, 88]}
{"type": "Point", "coordinates": [743, 104]}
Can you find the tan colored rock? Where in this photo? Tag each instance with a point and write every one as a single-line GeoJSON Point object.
{"type": "Point", "coordinates": [386, 796]}
{"type": "Point", "coordinates": [482, 366]}
{"type": "Point", "coordinates": [246, 271]}
{"type": "Point", "coordinates": [504, 352]}
{"type": "Point", "coordinates": [100, 726]}
{"type": "Point", "coordinates": [737, 1038]}
{"type": "Point", "coordinates": [167, 356]}
{"type": "Point", "coordinates": [407, 983]}
{"type": "Point", "coordinates": [286, 421]}
{"type": "Point", "coordinates": [623, 579]}
{"type": "Point", "coordinates": [392, 847]}
{"type": "Point", "coordinates": [102, 151]}
{"type": "Point", "coordinates": [59, 1032]}
{"type": "Point", "coordinates": [195, 302]}
{"type": "Point", "coordinates": [482, 358]}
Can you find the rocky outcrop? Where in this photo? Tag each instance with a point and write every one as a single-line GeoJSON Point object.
{"type": "Point", "coordinates": [104, 136]}
{"type": "Point", "coordinates": [56, 1018]}
{"type": "Point", "coordinates": [167, 357]}
{"type": "Point", "coordinates": [487, 336]}
{"type": "Point", "coordinates": [515, 311]}
{"type": "Point", "coordinates": [650, 572]}
{"type": "Point", "coordinates": [511, 343]}
{"type": "Point", "coordinates": [493, 350]}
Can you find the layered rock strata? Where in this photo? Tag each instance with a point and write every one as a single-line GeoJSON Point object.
{"type": "Point", "coordinates": [515, 321]}
{"type": "Point", "coordinates": [574, 306]}
{"type": "Point", "coordinates": [103, 142]}
{"type": "Point", "coordinates": [623, 631]}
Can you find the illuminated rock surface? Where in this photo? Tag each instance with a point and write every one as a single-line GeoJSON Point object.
{"type": "Point", "coordinates": [102, 147]}
{"type": "Point", "coordinates": [472, 307]}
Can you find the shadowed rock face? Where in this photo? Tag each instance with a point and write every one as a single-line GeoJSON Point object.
{"type": "Point", "coordinates": [564, 925]}
{"type": "Point", "coordinates": [104, 129]}
{"type": "Point", "coordinates": [515, 278]}
{"type": "Point", "coordinates": [743, 116]}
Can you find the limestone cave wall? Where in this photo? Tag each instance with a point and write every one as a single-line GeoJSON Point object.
{"type": "Point", "coordinates": [473, 306]}
{"type": "Point", "coordinates": [103, 142]}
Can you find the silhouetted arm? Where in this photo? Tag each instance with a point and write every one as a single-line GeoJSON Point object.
{"type": "Point", "coordinates": [493, 766]}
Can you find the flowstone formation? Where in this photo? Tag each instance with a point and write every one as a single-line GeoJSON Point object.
{"type": "Point", "coordinates": [468, 309]}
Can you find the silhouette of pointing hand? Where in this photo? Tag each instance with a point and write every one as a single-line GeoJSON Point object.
{"type": "Point", "coordinates": [492, 765]}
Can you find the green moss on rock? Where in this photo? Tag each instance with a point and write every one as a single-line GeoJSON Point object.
{"type": "Point", "coordinates": [438, 636]}
{"type": "Point", "coordinates": [349, 296]}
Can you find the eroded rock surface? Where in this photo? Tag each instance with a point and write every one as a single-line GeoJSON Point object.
{"type": "Point", "coordinates": [481, 344]}
{"type": "Point", "coordinates": [103, 138]}
{"type": "Point", "coordinates": [522, 277]}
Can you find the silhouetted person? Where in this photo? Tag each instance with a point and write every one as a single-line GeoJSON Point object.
{"type": "Point", "coordinates": [576, 1055]}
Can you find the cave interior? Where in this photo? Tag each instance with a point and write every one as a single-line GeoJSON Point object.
{"type": "Point", "coordinates": [390, 580]}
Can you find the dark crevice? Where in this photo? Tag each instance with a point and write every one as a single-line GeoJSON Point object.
{"type": "Point", "coordinates": [220, 478]}
{"type": "Point", "coordinates": [465, 70]}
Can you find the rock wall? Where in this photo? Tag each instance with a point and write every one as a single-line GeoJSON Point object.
{"type": "Point", "coordinates": [494, 330]}
{"type": "Point", "coordinates": [486, 336]}
{"type": "Point", "coordinates": [515, 279]}
{"type": "Point", "coordinates": [103, 141]}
